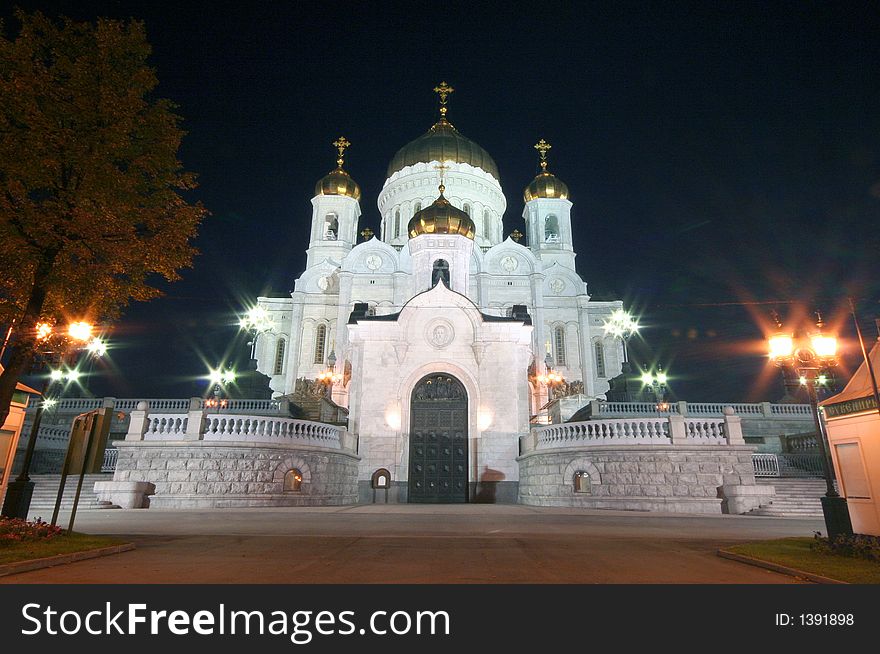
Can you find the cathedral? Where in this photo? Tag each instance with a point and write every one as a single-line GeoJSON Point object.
{"type": "Point", "coordinates": [438, 335]}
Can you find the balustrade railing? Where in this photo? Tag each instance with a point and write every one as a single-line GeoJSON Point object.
{"type": "Point", "coordinates": [715, 409]}
{"type": "Point", "coordinates": [705, 431]}
{"type": "Point", "coordinates": [603, 432]}
{"type": "Point", "coordinates": [168, 405]}
{"type": "Point", "coordinates": [165, 426]}
{"type": "Point", "coordinates": [258, 428]}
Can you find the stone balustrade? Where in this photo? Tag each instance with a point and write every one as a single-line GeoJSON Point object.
{"type": "Point", "coordinates": [201, 424]}
{"type": "Point", "coordinates": [714, 409]}
{"type": "Point", "coordinates": [671, 429]}
{"type": "Point", "coordinates": [224, 427]}
{"type": "Point", "coordinates": [169, 405]}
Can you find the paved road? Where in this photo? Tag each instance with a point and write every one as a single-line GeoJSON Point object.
{"type": "Point", "coordinates": [419, 544]}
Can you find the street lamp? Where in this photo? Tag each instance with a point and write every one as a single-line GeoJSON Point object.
{"type": "Point", "coordinates": [551, 379]}
{"type": "Point", "coordinates": [52, 347]}
{"type": "Point", "coordinates": [657, 383]}
{"type": "Point", "coordinates": [220, 379]}
{"type": "Point", "coordinates": [329, 377]}
{"type": "Point", "coordinates": [623, 326]}
{"type": "Point", "coordinates": [256, 321]}
{"type": "Point", "coordinates": [809, 356]}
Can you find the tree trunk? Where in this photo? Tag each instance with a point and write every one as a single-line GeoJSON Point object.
{"type": "Point", "coordinates": [22, 345]}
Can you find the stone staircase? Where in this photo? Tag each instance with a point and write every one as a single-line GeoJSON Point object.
{"type": "Point", "coordinates": [795, 497]}
{"type": "Point", "coordinates": [46, 491]}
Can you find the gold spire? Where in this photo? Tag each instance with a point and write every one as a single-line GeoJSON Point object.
{"type": "Point", "coordinates": [444, 90]}
{"type": "Point", "coordinates": [542, 147]}
{"type": "Point", "coordinates": [341, 144]}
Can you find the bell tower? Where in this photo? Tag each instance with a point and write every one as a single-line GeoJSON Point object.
{"type": "Point", "coordinates": [335, 212]}
{"type": "Point", "coordinates": [548, 214]}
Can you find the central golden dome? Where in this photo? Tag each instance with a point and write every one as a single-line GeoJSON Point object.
{"type": "Point", "coordinates": [441, 218]}
{"type": "Point", "coordinates": [443, 143]}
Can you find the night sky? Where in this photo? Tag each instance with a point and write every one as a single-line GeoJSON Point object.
{"type": "Point", "coordinates": [723, 159]}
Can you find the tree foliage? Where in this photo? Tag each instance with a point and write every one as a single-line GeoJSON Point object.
{"type": "Point", "coordinates": [92, 212]}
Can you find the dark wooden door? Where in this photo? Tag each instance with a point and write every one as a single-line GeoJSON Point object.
{"type": "Point", "coordinates": [438, 441]}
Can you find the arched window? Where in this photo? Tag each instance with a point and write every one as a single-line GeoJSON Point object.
{"type": "Point", "coordinates": [581, 482]}
{"type": "Point", "coordinates": [293, 480]}
{"type": "Point", "coordinates": [467, 209]}
{"type": "Point", "coordinates": [551, 229]}
{"type": "Point", "coordinates": [279, 357]}
{"type": "Point", "coordinates": [397, 223]}
{"type": "Point", "coordinates": [331, 227]}
{"type": "Point", "coordinates": [320, 343]}
{"type": "Point", "coordinates": [487, 223]}
{"type": "Point", "coordinates": [559, 345]}
{"type": "Point", "coordinates": [440, 271]}
{"type": "Point", "coordinates": [381, 478]}
{"type": "Point", "coordinates": [600, 358]}
{"type": "Point", "coordinates": [417, 207]}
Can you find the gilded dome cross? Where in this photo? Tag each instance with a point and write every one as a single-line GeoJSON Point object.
{"type": "Point", "coordinates": [341, 144]}
{"type": "Point", "coordinates": [542, 147]}
{"type": "Point", "coordinates": [444, 90]}
{"type": "Point", "coordinates": [442, 167]}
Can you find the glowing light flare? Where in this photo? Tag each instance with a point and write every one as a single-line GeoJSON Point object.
{"type": "Point", "coordinates": [257, 319]}
{"type": "Point", "coordinates": [781, 346]}
{"type": "Point", "coordinates": [824, 346]}
{"type": "Point", "coordinates": [219, 376]}
{"type": "Point", "coordinates": [73, 375]}
{"type": "Point", "coordinates": [647, 378]}
{"type": "Point", "coordinates": [49, 402]}
{"type": "Point", "coordinates": [392, 417]}
{"type": "Point", "coordinates": [44, 331]}
{"type": "Point", "coordinates": [97, 347]}
{"type": "Point", "coordinates": [80, 331]}
{"type": "Point", "coordinates": [621, 324]}
{"type": "Point", "coordinates": [484, 419]}
{"type": "Point", "coordinates": [56, 375]}
{"type": "Point", "coordinates": [661, 377]}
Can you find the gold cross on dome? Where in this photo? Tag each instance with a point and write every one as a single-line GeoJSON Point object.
{"type": "Point", "coordinates": [444, 90]}
{"type": "Point", "coordinates": [341, 144]}
{"type": "Point", "coordinates": [442, 167]}
{"type": "Point", "coordinates": [542, 147]}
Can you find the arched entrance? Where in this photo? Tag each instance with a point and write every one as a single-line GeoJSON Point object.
{"type": "Point", "coordinates": [438, 441]}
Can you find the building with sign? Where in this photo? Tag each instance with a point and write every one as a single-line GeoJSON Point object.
{"type": "Point", "coordinates": [853, 425]}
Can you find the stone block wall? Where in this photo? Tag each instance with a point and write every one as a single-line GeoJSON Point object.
{"type": "Point", "coordinates": [678, 479]}
{"type": "Point", "coordinates": [205, 474]}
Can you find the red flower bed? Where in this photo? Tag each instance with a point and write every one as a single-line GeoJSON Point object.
{"type": "Point", "coordinates": [16, 530]}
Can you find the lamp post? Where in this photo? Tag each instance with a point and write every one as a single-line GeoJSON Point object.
{"type": "Point", "coordinates": [657, 383]}
{"type": "Point", "coordinates": [623, 326]}
{"type": "Point", "coordinates": [329, 377]}
{"type": "Point", "coordinates": [219, 379]}
{"type": "Point", "coordinates": [53, 347]}
{"type": "Point", "coordinates": [256, 321]}
{"type": "Point", "coordinates": [551, 379]}
{"type": "Point", "coordinates": [809, 355]}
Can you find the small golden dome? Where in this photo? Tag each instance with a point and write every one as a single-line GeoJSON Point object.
{"type": "Point", "coordinates": [339, 182]}
{"type": "Point", "coordinates": [441, 218]}
{"type": "Point", "coordinates": [546, 185]}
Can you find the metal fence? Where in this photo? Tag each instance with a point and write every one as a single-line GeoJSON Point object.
{"type": "Point", "coordinates": [787, 465]}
